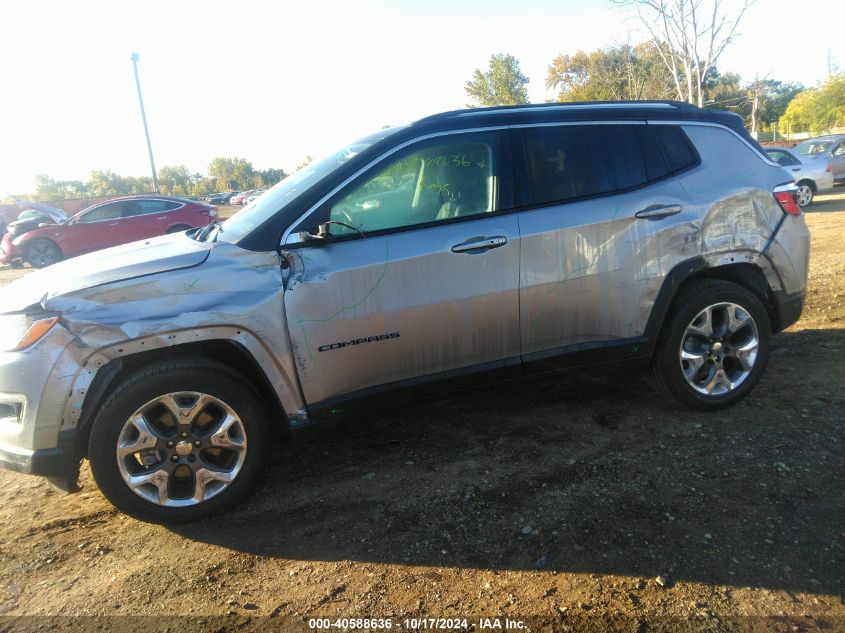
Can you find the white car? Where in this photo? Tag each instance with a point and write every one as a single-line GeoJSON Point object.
{"type": "Point", "coordinates": [812, 174]}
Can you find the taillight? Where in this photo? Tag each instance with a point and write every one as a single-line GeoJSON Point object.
{"type": "Point", "coordinates": [786, 200]}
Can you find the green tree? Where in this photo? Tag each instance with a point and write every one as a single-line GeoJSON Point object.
{"type": "Point", "coordinates": [502, 84]}
{"type": "Point", "coordinates": [818, 109]}
{"type": "Point", "coordinates": [108, 183]}
{"type": "Point", "coordinates": [175, 180]}
{"type": "Point", "coordinates": [231, 173]}
{"type": "Point", "coordinates": [46, 188]}
{"type": "Point", "coordinates": [271, 176]}
{"type": "Point", "coordinates": [610, 74]}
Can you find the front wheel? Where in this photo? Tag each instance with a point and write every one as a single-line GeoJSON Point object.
{"type": "Point", "coordinates": [40, 253]}
{"type": "Point", "coordinates": [178, 441]}
{"type": "Point", "coordinates": [805, 194]}
{"type": "Point", "coordinates": [714, 348]}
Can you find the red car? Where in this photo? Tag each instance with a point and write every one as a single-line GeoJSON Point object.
{"type": "Point", "coordinates": [110, 223]}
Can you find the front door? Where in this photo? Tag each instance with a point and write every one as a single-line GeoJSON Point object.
{"type": "Point", "coordinates": [418, 280]}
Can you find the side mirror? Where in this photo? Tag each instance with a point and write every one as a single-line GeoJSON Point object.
{"type": "Point", "coordinates": [301, 237]}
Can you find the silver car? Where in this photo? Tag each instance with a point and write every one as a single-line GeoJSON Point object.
{"type": "Point", "coordinates": [468, 246]}
{"type": "Point", "coordinates": [831, 147]}
{"type": "Point", "coordinates": [812, 174]}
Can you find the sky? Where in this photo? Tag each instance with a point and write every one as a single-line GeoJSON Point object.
{"type": "Point", "coordinates": [274, 81]}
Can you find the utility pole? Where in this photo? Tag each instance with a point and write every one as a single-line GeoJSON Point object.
{"type": "Point", "coordinates": [135, 58]}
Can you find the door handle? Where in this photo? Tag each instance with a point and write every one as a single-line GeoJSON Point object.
{"type": "Point", "coordinates": [657, 211]}
{"type": "Point", "coordinates": [474, 244]}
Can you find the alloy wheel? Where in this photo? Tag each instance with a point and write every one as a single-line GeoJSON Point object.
{"type": "Point", "coordinates": [805, 195]}
{"type": "Point", "coordinates": [181, 449]}
{"type": "Point", "coordinates": [719, 348]}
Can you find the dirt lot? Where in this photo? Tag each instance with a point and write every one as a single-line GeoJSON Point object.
{"type": "Point", "coordinates": [557, 503]}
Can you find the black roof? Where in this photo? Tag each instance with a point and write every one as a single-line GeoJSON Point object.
{"type": "Point", "coordinates": [577, 111]}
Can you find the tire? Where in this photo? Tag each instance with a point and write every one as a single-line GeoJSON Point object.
{"type": "Point", "coordinates": [187, 459]}
{"type": "Point", "coordinates": [690, 375]}
{"type": "Point", "coordinates": [179, 228]}
{"type": "Point", "coordinates": [41, 252]}
{"type": "Point", "coordinates": [805, 194]}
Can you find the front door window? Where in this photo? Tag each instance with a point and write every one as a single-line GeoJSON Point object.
{"type": "Point", "coordinates": [436, 181]}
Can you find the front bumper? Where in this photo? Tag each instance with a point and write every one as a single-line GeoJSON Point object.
{"type": "Point", "coordinates": [54, 463]}
{"type": "Point", "coordinates": [34, 388]}
{"type": "Point", "coordinates": [8, 251]}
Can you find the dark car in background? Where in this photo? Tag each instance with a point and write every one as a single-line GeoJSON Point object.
{"type": "Point", "coordinates": [110, 223]}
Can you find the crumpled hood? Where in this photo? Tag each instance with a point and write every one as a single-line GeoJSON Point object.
{"type": "Point", "coordinates": [136, 259]}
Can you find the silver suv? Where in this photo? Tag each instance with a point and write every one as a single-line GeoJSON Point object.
{"type": "Point", "coordinates": [467, 246]}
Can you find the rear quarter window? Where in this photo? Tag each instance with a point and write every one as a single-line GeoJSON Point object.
{"type": "Point", "coordinates": [676, 147]}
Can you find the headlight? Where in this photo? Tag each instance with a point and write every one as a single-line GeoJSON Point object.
{"type": "Point", "coordinates": [19, 331]}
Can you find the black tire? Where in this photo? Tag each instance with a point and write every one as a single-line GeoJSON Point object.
{"type": "Point", "coordinates": [166, 377]}
{"type": "Point", "coordinates": [42, 252]}
{"type": "Point", "coordinates": [667, 373]}
{"type": "Point", "coordinates": [805, 193]}
{"type": "Point", "coordinates": [179, 228]}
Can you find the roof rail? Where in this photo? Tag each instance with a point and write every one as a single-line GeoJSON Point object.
{"type": "Point", "coordinates": [580, 105]}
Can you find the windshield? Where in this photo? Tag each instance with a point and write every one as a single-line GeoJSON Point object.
{"type": "Point", "coordinates": [279, 196]}
{"type": "Point", "coordinates": [808, 148]}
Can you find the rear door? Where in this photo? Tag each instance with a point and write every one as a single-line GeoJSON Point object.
{"type": "Point", "coordinates": [602, 221]}
{"type": "Point", "coordinates": [144, 218]}
{"type": "Point", "coordinates": [430, 293]}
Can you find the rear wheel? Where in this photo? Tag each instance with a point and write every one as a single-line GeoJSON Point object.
{"type": "Point", "coordinates": [714, 348]}
{"type": "Point", "coordinates": [179, 441]}
{"type": "Point", "coordinates": [42, 252]}
{"type": "Point", "coordinates": [805, 194]}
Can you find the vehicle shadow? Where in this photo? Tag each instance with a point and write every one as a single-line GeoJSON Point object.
{"type": "Point", "coordinates": [830, 202]}
{"type": "Point", "coordinates": [577, 474]}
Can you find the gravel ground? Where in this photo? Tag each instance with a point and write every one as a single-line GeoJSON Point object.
{"type": "Point", "coordinates": [573, 503]}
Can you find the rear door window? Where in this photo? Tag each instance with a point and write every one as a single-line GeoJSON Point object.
{"type": "Point", "coordinates": [147, 207]}
{"type": "Point", "coordinates": [781, 158]}
{"type": "Point", "coordinates": [576, 161]}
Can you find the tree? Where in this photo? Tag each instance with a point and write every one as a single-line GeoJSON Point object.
{"type": "Point", "coordinates": [271, 176]}
{"type": "Point", "coordinates": [108, 183]}
{"type": "Point", "coordinates": [690, 35]}
{"type": "Point", "coordinates": [502, 84]}
{"type": "Point", "coordinates": [175, 180]}
{"type": "Point", "coordinates": [231, 173]}
{"type": "Point", "coordinates": [817, 109]}
{"type": "Point", "coordinates": [614, 73]}
{"type": "Point", "coordinates": [46, 188]}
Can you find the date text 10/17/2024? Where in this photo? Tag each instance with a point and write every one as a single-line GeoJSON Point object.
{"type": "Point", "coordinates": [415, 624]}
